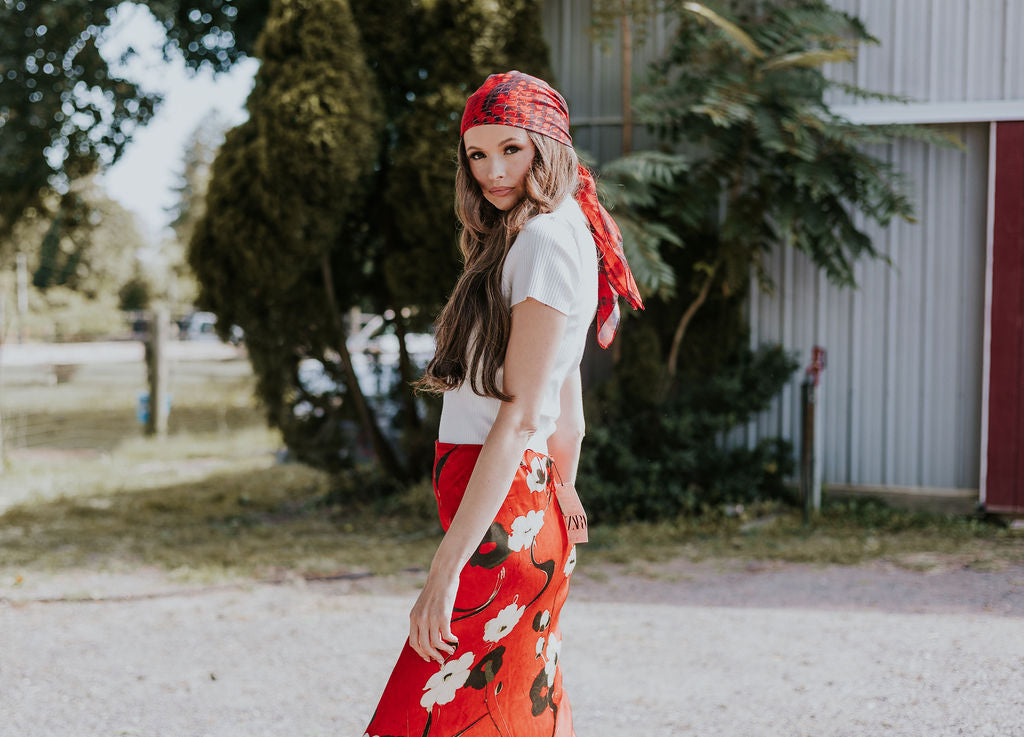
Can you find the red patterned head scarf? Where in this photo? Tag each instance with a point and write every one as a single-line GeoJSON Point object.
{"type": "Point", "coordinates": [522, 101]}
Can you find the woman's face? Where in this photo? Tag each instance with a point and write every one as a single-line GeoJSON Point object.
{"type": "Point", "coordinates": [499, 158]}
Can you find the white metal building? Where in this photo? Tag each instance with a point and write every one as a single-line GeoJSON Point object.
{"type": "Point", "coordinates": [922, 393]}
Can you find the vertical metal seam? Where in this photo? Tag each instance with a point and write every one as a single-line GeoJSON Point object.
{"type": "Point", "coordinates": [961, 395]}
{"type": "Point", "coordinates": [927, 317]}
{"type": "Point", "coordinates": [1005, 55]}
{"type": "Point", "coordinates": [859, 66]}
{"type": "Point", "coordinates": [889, 351]}
{"type": "Point", "coordinates": [566, 39]}
{"type": "Point", "coordinates": [895, 58]}
{"type": "Point", "coordinates": [967, 50]}
{"type": "Point", "coordinates": [754, 322]}
{"type": "Point", "coordinates": [986, 353]}
{"type": "Point", "coordinates": [852, 413]}
{"type": "Point", "coordinates": [932, 53]}
{"type": "Point", "coordinates": [786, 413]}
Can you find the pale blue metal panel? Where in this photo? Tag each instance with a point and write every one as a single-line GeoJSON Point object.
{"type": "Point", "coordinates": [972, 304]}
{"type": "Point", "coordinates": [949, 57]}
{"type": "Point", "coordinates": [984, 44]}
{"type": "Point", "coordinates": [938, 50]}
{"type": "Point", "coordinates": [1013, 51]}
{"type": "Point", "coordinates": [588, 74]}
{"type": "Point", "coordinates": [911, 61]}
{"type": "Point", "coordinates": [902, 391]}
{"type": "Point", "coordinates": [930, 51]}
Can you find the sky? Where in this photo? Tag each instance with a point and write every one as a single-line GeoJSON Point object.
{"type": "Point", "coordinates": [143, 178]}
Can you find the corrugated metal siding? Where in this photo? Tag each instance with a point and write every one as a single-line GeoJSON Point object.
{"type": "Point", "coordinates": [902, 391]}
{"type": "Point", "coordinates": [588, 74]}
{"type": "Point", "coordinates": [938, 50]}
{"type": "Point", "coordinates": [930, 51]}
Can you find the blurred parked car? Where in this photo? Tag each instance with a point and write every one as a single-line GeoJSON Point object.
{"type": "Point", "coordinates": [375, 353]}
{"type": "Point", "coordinates": [203, 326]}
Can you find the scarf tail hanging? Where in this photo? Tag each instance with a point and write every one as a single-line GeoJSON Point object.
{"type": "Point", "coordinates": [615, 277]}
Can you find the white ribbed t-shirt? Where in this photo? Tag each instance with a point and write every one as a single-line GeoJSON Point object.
{"type": "Point", "coordinates": [553, 260]}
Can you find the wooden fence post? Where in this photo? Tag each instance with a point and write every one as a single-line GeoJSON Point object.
{"type": "Point", "coordinates": [156, 365]}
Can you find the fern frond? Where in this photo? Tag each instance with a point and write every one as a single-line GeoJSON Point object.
{"type": "Point", "coordinates": [810, 58]}
{"type": "Point", "coordinates": [730, 29]}
{"type": "Point", "coordinates": [640, 241]}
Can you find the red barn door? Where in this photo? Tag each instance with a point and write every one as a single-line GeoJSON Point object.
{"type": "Point", "coordinates": [1004, 477]}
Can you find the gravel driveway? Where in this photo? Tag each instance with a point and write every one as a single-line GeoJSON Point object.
{"type": "Point", "coordinates": [723, 648]}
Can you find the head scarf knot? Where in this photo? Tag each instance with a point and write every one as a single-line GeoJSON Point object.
{"type": "Point", "coordinates": [522, 101]}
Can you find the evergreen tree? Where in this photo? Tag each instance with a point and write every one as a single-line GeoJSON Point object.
{"type": "Point", "coordinates": [428, 59]}
{"type": "Point", "coordinates": [90, 246]}
{"type": "Point", "coordinates": [176, 280]}
{"type": "Point", "coordinates": [385, 244]}
{"type": "Point", "coordinates": [284, 184]}
{"type": "Point", "coordinates": [200, 150]}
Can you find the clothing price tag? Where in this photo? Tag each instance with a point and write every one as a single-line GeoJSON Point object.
{"type": "Point", "coordinates": [572, 513]}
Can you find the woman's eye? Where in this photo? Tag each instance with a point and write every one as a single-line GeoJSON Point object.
{"type": "Point", "coordinates": [511, 149]}
{"type": "Point", "coordinates": [476, 155]}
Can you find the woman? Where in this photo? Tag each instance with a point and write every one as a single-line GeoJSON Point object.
{"type": "Point", "coordinates": [541, 256]}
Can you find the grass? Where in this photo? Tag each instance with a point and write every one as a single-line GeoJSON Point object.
{"type": "Point", "coordinates": [260, 522]}
{"type": "Point", "coordinates": [842, 532]}
{"type": "Point", "coordinates": [211, 503]}
{"type": "Point", "coordinates": [265, 520]}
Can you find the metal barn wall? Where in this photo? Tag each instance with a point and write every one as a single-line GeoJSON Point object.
{"type": "Point", "coordinates": [902, 391]}
{"type": "Point", "coordinates": [934, 51]}
{"type": "Point", "coordinates": [937, 50]}
{"type": "Point", "coordinates": [588, 74]}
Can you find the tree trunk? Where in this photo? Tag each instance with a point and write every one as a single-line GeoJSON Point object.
{"type": "Point", "coordinates": [627, 113]}
{"type": "Point", "coordinates": [156, 371]}
{"type": "Point", "coordinates": [381, 447]}
{"type": "Point", "coordinates": [684, 321]}
{"type": "Point", "coordinates": [3, 332]}
{"type": "Point", "coordinates": [405, 372]}
{"type": "Point", "coordinates": [627, 81]}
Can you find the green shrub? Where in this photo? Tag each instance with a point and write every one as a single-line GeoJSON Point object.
{"type": "Point", "coordinates": [645, 458]}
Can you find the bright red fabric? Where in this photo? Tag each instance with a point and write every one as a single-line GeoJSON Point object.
{"type": "Point", "coordinates": [504, 678]}
{"type": "Point", "coordinates": [519, 100]}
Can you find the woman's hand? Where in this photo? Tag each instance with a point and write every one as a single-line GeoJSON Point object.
{"type": "Point", "coordinates": [430, 621]}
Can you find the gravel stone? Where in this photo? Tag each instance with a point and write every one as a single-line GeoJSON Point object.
{"type": "Point", "coordinates": [724, 648]}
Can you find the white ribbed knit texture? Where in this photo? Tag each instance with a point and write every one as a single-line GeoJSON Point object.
{"type": "Point", "coordinates": [553, 260]}
{"type": "Point", "coordinates": [543, 263]}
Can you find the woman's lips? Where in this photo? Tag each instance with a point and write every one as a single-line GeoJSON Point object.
{"type": "Point", "coordinates": [500, 191]}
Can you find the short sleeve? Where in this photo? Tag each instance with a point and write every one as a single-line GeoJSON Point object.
{"type": "Point", "coordinates": [543, 263]}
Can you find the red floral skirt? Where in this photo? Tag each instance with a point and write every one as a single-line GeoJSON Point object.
{"type": "Point", "coordinates": [503, 680]}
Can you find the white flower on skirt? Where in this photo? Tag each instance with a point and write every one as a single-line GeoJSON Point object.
{"type": "Point", "coordinates": [540, 645]}
{"type": "Point", "coordinates": [503, 623]}
{"type": "Point", "coordinates": [545, 618]}
{"type": "Point", "coordinates": [554, 648]}
{"type": "Point", "coordinates": [441, 687]}
{"type": "Point", "coordinates": [524, 529]}
{"type": "Point", "coordinates": [537, 478]}
{"type": "Point", "coordinates": [570, 564]}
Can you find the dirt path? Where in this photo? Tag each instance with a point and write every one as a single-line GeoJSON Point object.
{"type": "Point", "coordinates": [725, 648]}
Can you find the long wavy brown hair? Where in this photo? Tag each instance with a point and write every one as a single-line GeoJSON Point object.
{"type": "Point", "coordinates": [473, 328]}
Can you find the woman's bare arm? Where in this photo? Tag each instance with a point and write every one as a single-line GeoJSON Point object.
{"type": "Point", "coordinates": [534, 338]}
{"type": "Point", "coordinates": [564, 443]}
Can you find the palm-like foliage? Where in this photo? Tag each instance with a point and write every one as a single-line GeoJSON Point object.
{"type": "Point", "coordinates": [767, 163]}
